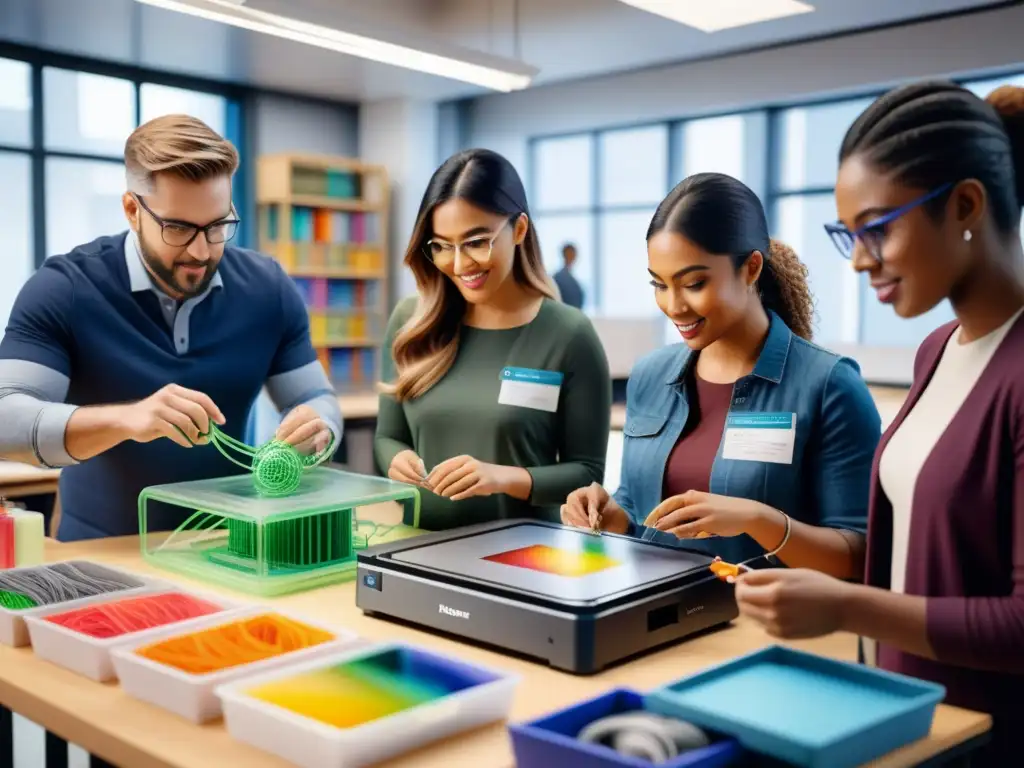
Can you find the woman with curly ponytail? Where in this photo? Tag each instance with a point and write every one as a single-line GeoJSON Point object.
{"type": "Point", "coordinates": [761, 444]}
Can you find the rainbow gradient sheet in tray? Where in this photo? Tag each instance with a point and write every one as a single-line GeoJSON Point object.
{"type": "Point", "coordinates": [359, 707]}
{"type": "Point", "coordinates": [564, 563]}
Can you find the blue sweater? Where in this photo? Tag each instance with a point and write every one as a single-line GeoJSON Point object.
{"type": "Point", "coordinates": [85, 320]}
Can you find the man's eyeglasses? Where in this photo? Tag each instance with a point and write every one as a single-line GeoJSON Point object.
{"type": "Point", "coordinates": [476, 248]}
{"type": "Point", "coordinates": [180, 234]}
{"type": "Point", "coordinates": [872, 234]}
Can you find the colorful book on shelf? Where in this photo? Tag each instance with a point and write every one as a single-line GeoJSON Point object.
{"type": "Point", "coordinates": [331, 183]}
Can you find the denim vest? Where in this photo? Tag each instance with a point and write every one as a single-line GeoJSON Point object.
{"type": "Point", "coordinates": [837, 431]}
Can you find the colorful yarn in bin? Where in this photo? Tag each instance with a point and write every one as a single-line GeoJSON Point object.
{"type": "Point", "coordinates": [349, 694]}
{"type": "Point", "coordinates": [122, 617]}
{"type": "Point", "coordinates": [58, 583]}
{"type": "Point", "coordinates": [276, 466]}
{"type": "Point", "coordinates": [14, 601]}
{"type": "Point", "coordinates": [231, 645]}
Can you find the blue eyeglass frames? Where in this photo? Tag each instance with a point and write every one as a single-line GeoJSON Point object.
{"type": "Point", "coordinates": [872, 234]}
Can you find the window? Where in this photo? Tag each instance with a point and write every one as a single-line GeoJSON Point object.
{"type": "Point", "coordinates": [157, 100]}
{"type": "Point", "coordinates": [598, 189]}
{"type": "Point", "coordinates": [87, 113]}
{"type": "Point", "coordinates": [556, 230]}
{"type": "Point", "coordinates": [833, 283]}
{"type": "Point", "coordinates": [83, 202]}
{"type": "Point", "coordinates": [15, 103]}
{"type": "Point", "coordinates": [564, 170]}
{"type": "Point", "coordinates": [984, 87]}
{"type": "Point", "coordinates": [633, 166]}
{"type": "Point", "coordinates": [808, 139]}
{"type": "Point", "coordinates": [15, 229]}
{"type": "Point", "coordinates": [625, 283]}
{"type": "Point", "coordinates": [713, 145]}
{"type": "Point", "coordinates": [848, 315]}
{"type": "Point", "coordinates": [882, 327]}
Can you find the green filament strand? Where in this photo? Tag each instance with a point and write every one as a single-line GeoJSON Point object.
{"type": "Point", "coordinates": [276, 466]}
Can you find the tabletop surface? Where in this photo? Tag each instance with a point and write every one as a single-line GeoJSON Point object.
{"type": "Point", "coordinates": [14, 472]}
{"type": "Point", "coordinates": [105, 721]}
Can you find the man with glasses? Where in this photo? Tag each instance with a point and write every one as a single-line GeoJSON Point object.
{"type": "Point", "coordinates": [159, 332]}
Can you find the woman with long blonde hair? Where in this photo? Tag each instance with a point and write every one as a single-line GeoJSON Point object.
{"type": "Point", "coordinates": [496, 396]}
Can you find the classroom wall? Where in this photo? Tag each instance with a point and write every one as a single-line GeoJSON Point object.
{"type": "Point", "coordinates": [402, 135]}
{"type": "Point", "coordinates": [284, 124]}
{"type": "Point", "coordinates": [991, 40]}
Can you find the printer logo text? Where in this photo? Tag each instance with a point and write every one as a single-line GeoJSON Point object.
{"type": "Point", "coordinates": [442, 608]}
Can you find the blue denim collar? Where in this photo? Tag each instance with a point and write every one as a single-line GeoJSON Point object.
{"type": "Point", "coordinates": [770, 363]}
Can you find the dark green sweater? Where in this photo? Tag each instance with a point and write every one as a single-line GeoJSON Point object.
{"type": "Point", "coordinates": [461, 415]}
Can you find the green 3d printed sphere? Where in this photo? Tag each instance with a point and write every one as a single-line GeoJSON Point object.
{"type": "Point", "coordinates": [277, 469]}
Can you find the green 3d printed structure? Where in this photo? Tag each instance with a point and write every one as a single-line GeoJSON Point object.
{"type": "Point", "coordinates": [238, 535]}
{"type": "Point", "coordinates": [276, 466]}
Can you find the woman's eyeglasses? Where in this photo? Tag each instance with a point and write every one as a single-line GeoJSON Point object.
{"type": "Point", "coordinates": [872, 234]}
{"type": "Point", "coordinates": [476, 248]}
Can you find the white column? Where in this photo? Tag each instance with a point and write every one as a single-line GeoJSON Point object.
{"type": "Point", "coordinates": [401, 135]}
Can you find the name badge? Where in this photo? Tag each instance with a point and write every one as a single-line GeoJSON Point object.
{"type": "Point", "coordinates": [530, 388]}
{"type": "Point", "coordinates": [767, 437]}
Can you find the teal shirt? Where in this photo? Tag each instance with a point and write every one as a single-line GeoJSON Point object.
{"type": "Point", "coordinates": [461, 415]}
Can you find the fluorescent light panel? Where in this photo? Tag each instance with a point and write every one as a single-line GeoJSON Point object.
{"type": "Point", "coordinates": [716, 15]}
{"type": "Point", "coordinates": [232, 12]}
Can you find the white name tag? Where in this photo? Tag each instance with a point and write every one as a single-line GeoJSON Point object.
{"type": "Point", "coordinates": [530, 388]}
{"type": "Point", "coordinates": [767, 437]}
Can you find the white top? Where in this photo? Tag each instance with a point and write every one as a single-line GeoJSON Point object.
{"type": "Point", "coordinates": [959, 369]}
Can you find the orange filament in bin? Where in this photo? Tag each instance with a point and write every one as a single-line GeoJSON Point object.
{"type": "Point", "coordinates": [230, 645]}
{"type": "Point", "coordinates": [121, 617]}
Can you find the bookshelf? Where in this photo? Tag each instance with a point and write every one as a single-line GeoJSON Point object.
{"type": "Point", "coordinates": [325, 220]}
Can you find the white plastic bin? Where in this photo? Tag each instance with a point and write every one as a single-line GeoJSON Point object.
{"type": "Point", "coordinates": [13, 630]}
{"type": "Point", "coordinates": [192, 696]}
{"type": "Point", "coordinates": [90, 656]}
{"type": "Point", "coordinates": [480, 696]}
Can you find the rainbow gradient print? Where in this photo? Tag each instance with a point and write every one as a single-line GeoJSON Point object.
{"type": "Point", "coordinates": [353, 693]}
{"type": "Point", "coordinates": [560, 562]}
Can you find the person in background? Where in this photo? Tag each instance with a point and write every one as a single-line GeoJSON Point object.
{"type": "Point", "coordinates": [929, 195]}
{"type": "Point", "coordinates": [746, 437]}
{"type": "Point", "coordinates": [496, 397]}
{"type": "Point", "coordinates": [120, 354]}
{"type": "Point", "coordinates": [568, 285]}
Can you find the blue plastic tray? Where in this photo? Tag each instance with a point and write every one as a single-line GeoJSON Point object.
{"type": "Point", "coordinates": [550, 742]}
{"type": "Point", "coordinates": [805, 709]}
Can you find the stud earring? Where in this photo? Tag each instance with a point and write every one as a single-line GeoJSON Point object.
{"type": "Point", "coordinates": [967, 236]}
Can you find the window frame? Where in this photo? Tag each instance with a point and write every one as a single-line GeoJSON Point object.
{"type": "Point", "coordinates": [880, 365]}
{"type": "Point", "coordinates": [239, 127]}
{"type": "Point", "coordinates": [596, 209]}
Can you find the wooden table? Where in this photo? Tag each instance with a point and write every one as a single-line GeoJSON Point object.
{"type": "Point", "coordinates": [358, 407]}
{"type": "Point", "coordinates": [106, 722]}
{"type": "Point", "coordinates": [17, 479]}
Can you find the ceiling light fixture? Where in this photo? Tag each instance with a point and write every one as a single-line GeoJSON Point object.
{"type": "Point", "coordinates": [492, 72]}
{"type": "Point", "coordinates": [716, 15]}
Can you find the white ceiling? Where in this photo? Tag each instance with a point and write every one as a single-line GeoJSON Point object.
{"type": "Point", "coordinates": [565, 39]}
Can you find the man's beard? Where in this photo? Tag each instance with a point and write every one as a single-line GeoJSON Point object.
{"type": "Point", "coordinates": [186, 290]}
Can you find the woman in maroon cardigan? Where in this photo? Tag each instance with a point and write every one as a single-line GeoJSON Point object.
{"type": "Point", "coordinates": [930, 189]}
